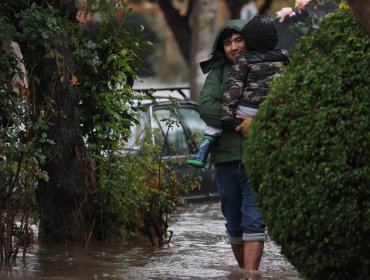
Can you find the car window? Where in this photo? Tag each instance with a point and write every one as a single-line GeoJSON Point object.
{"type": "Point", "coordinates": [192, 120]}
{"type": "Point", "coordinates": [138, 131]}
{"type": "Point", "coordinates": [168, 122]}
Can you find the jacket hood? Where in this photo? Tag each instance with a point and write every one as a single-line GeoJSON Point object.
{"type": "Point", "coordinates": [260, 34]}
{"type": "Point", "coordinates": [217, 57]}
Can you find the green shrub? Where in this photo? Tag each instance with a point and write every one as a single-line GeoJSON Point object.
{"type": "Point", "coordinates": [308, 152]}
{"type": "Point", "coordinates": [138, 198]}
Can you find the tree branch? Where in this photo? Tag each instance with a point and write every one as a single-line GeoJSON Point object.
{"type": "Point", "coordinates": [190, 9]}
{"type": "Point", "coordinates": [179, 26]}
{"type": "Point", "coordinates": [263, 10]}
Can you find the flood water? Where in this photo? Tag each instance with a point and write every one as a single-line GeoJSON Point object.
{"type": "Point", "coordinates": [199, 249]}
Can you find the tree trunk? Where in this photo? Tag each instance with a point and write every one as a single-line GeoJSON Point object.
{"type": "Point", "coordinates": [265, 7]}
{"type": "Point", "coordinates": [203, 23]}
{"type": "Point", "coordinates": [65, 201]}
{"type": "Point", "coordinates": [234, 7]}
{"type": "Point", "coordinates": [361, 9]}
{"type": "Point", "coordinates": [179, 26]}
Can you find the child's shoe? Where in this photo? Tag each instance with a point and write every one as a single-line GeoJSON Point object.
{"type": "Point", "coordinates": [200, 159]}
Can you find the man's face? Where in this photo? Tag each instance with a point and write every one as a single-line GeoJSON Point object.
{"type": "Point", "coordinates": [234, 46]}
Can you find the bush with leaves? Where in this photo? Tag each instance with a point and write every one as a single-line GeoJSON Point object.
{"type": "Point", "coordinates": [21, 154]}
{"type": "Point", "coordinates": [308, 151]}
{"type": "Point", "coordinates": [80, 80]}
{"type": "Point", "coordinates": [64, 61]}
{"type": "Point", "coordinates": [142, 196]}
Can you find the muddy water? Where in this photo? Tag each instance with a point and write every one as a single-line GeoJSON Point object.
{"type": "Point", "coordinates": [198, 250]}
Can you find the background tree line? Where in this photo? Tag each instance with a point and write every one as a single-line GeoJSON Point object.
{"type": "Point", "coordinates": [194, 25]}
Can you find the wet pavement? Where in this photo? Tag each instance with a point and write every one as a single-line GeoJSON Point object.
{"type": "Point", "coordinates": [199, 249]}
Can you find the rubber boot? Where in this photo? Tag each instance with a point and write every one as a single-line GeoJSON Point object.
{"type": "Point", "coordinates": [200, 159]}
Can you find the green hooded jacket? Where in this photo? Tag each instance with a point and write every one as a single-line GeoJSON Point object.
{"type": "Point", "coordinates": [229, 146]}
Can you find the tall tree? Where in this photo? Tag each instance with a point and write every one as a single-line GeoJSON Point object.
{"type": "Point", "coordinates": [66, 206]}
{"type": "Point", "coordinates": [236, 5]}
{"type": "Point", "coordinates": [180, 26]}
{"type": "Point", "coordinates": [203, 24]}
{"type": "Point", "coordinates": [65, 201]}
{"type": "Point", "coordinates": [80, 83]}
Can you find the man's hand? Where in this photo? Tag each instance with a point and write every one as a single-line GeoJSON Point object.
{"type": "Point", "coordinates": [243, 128]}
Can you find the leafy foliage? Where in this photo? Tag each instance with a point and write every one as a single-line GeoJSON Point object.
{"type": "Point", "coordinates": [8, 61]}
{"type": "Point", "coordinates": [101, 59]}
{"type": "Point", "coordinates": [107, 64]}
{"type": "Point", "coordinates": [307, 154]}
{"type": "Point", "coordinates": [107, 60]}
{"type": "Point", "coordinates": [145, 188]}
{"type": "Point", "coordinates": [21, 153]}
{"type": "Point", "coordinates": [40, 26]}
{"type": "Point", "coordinates": [142, 196]}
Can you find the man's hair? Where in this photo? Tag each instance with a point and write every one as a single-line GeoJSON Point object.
{"type": "Point", "coordinates": [226, 34]}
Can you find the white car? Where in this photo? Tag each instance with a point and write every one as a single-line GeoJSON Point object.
{"type": "Point", "coordinates": [176, 121]}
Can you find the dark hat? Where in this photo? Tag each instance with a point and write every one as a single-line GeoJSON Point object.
{"type": "Point", "coordinates": [260, 34]}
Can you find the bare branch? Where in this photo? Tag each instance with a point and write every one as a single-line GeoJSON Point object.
{"type": "Point", "coordinates": [179, 26]}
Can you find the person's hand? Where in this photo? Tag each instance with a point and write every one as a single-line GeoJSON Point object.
{"type": "Point", "coordinates": [243, 128]}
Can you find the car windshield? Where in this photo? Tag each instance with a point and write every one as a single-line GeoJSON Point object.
{"type": "Point", "coordinates": [181, 126]}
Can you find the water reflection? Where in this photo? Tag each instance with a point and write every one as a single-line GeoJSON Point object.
{"type": "Point", "coordinates": [198, 250]}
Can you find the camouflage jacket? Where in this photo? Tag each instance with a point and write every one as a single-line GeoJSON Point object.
{"type": "Point", "coordinates": [249, 80]}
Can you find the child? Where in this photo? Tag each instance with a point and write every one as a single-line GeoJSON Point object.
{"type": "Point", "coordinates": [248, 80]}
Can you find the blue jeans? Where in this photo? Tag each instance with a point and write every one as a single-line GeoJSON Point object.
{"type": "Point", "coordinates": [243, 221]}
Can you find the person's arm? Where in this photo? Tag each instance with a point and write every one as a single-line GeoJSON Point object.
{"type": "Point", "coordinates": [210, 104]}
{"type": "Point", "coordinates": [210, 99]}
{"type": "Point", "coordinates": [233, 89]}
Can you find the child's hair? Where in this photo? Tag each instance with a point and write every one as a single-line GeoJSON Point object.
{"type": "Point", "coordinates": [226, 34]}
{"type": "Point", "coordinates": [260, 34]}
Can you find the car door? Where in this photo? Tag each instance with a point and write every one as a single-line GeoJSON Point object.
{"type": "Point", "coordinates": [176, 128]}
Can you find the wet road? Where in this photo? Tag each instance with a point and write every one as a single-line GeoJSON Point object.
{"type": "Point", "coordinates": [199, 249]}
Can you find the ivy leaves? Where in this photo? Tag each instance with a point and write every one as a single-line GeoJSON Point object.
{"type": "Point", "coordinates": [41, 26]}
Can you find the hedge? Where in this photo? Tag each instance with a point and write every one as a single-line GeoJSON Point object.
{"type": "Point", "coordinates": [308, 153]}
